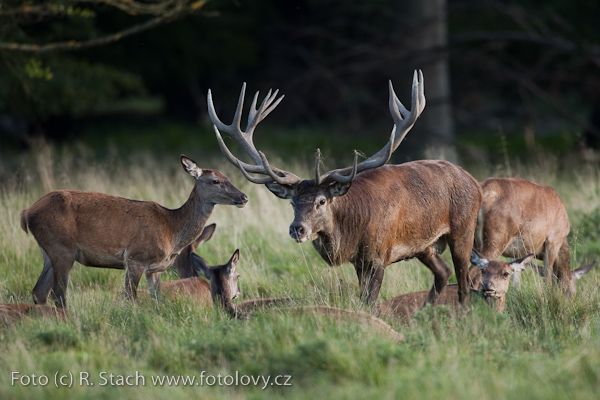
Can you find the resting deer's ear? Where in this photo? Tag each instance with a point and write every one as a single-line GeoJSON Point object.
{"type": "Point", "coordinates": [478, 260]}
{"type": "Point", "coordinates": [338, 189]}
{"type": "Point", "coordinates": [204, 236]}
{"type": "Point", "coordinates": [231, 265]}
{"type": "Point", "coordinates": [282, 191]}
{"type": "Point", "coordinates": [201, 266]}
{"type": "Point", "coordinates": [521, 263]}
{"type": "Point", "coordinates": [191, 167]}
{"type": "Point", "coordinates": [581, 271]}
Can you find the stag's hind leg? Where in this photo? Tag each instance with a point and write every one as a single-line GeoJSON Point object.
{"type": "Point", "coordinates": [441, 273]}
{"type": "Point", "coordinates": [43, 286]}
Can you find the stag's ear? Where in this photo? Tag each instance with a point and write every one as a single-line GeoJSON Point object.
{"type": "Point", "coordinates": [191, 167]}
{"type": "Point", "coordinates": [201, 266]}
{"type": "Point", "coordinates": [204, 236]}
{"type": "Point", "coordinates": [478, 260]}
{"type": "Point", "coordinates": [337, 189]}
{"type": "Point", "coordinates": [231, 265]}
{"type": "Point", "coordinates": [521, 263]}
{"type": "Point", "coordinates": [282, 191]}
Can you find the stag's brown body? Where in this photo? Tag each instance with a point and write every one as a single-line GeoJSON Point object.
{"type": "Point", "coordinates": [518, 217]}
{"type": "Point", "coordinates": [100, 230]}
{"type": "Point", "coordinates": [398, 212]}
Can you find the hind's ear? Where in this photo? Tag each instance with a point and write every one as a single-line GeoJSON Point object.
{"type": "Point", "coordinates": [521, 263]}
{"type": "Point", "coordinates": [191, 167]}
{"type": "Point", "coordinates": [478, 260]}
{"type": "Point", "coordinates": [232, 263]}
{"type": "Point", "coordinates": [581, 271]}
{"type": "Point", "coordinates": [204, 236]}
{"type": "Point", "coordinates": [201, 266]}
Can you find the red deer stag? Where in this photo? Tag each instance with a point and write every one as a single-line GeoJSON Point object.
{"type": "Point", "coordinates": [518, 217]}
{"type": "Point", "coordinates": [99, 230]}
{"type": "Point", "coordinates": [369, 214]}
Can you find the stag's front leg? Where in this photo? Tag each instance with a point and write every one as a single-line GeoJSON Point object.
{"type": "Point", "coordinates": [441, 273]}
{"type": "Point", "coordinates": [370, 278]}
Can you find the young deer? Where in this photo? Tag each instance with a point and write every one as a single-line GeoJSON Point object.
{"type": "Point", "coordinates": [518, 217]}
{"type": "Point", "coordinates": [408, 304]}
{"type": "Point", "coordinates": [99, 230]}
{"type": "Point", "coordinates": [371, 214]}
{"type": "Point", "coordinates": [490, 279]}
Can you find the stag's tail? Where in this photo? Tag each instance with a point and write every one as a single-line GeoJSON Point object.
{"type": "Point", "coordinates": [24, 221]}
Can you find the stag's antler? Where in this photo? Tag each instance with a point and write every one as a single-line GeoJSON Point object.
{"type": "Point", "coordinates": [403, 122]}
{"type": "Point", "coordinates": [245, 139]}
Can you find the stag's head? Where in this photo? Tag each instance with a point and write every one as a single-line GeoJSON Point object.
{"type": "Point", "coordinates": [310, 198]}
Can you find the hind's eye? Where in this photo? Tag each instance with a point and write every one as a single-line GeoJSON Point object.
{"type": "Point", "coordinates": [506, 274]}
{"type": "Point", "coordinates": [215, 182]}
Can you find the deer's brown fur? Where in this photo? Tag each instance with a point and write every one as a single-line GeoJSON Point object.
{"type": "Point", "coordinates": [13, 312]}
{"type": "Point", "coordinates": [518, 217]}
{"type": "Point", "coordinates": [99, 230]}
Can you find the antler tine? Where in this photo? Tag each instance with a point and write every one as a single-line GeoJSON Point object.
{"type": "Point", "coordinates": [287, 179]}
{"type": "Point", "coordinates": [403, 122]}
{"type": "Point", "coordinates": [260, 181]}
{"type": "Point", "coordinates": [232, 159]}
{"type": "Point", "coordinates": [245, 138]}
{"type": "Point", "coordinates": [317, 167]}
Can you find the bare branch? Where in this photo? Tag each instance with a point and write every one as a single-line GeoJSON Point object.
{"type": "Point", "coordinates": [181, 8]}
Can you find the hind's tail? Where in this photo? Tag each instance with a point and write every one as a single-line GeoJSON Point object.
{"type": "Point", "coordinates": [24, 221]}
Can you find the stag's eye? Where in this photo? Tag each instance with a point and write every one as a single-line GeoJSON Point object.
{"type": "Point", "coordinates": [321, 202]}
{"type": "Point", "coordinates": [215, 182]}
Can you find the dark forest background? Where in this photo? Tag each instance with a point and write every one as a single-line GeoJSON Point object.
{"type": "Point", "coordinates": [524, 73]}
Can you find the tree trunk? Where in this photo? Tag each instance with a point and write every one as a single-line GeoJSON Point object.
{"type": "Point", "coordinates": [436, 126]}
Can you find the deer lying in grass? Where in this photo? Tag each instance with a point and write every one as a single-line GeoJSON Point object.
{"type": "Point", "coordinates": [371, 214]}
{"type": "Point", "coordinates": [99, 230]}
{"type": "Point", "coordinates": [489, 279]}
{"type": "Point", "coordinates": [224, 289]}
{"type": "Point", "coordinates": [518, 217]}
{"type": "Point", "coordinates": [13, 312]}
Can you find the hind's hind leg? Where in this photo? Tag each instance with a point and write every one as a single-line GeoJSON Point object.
{"type": "Point", "coordinates": [61, 259]}
{"type": "Point", "coordinates": [43, 286]}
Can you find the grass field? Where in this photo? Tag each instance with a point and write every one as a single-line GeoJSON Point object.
{"type": "Point", "coordinates": [542, 347]}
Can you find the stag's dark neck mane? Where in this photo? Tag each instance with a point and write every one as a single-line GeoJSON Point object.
{"type": "Point", "coordinates": [351, 216]}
